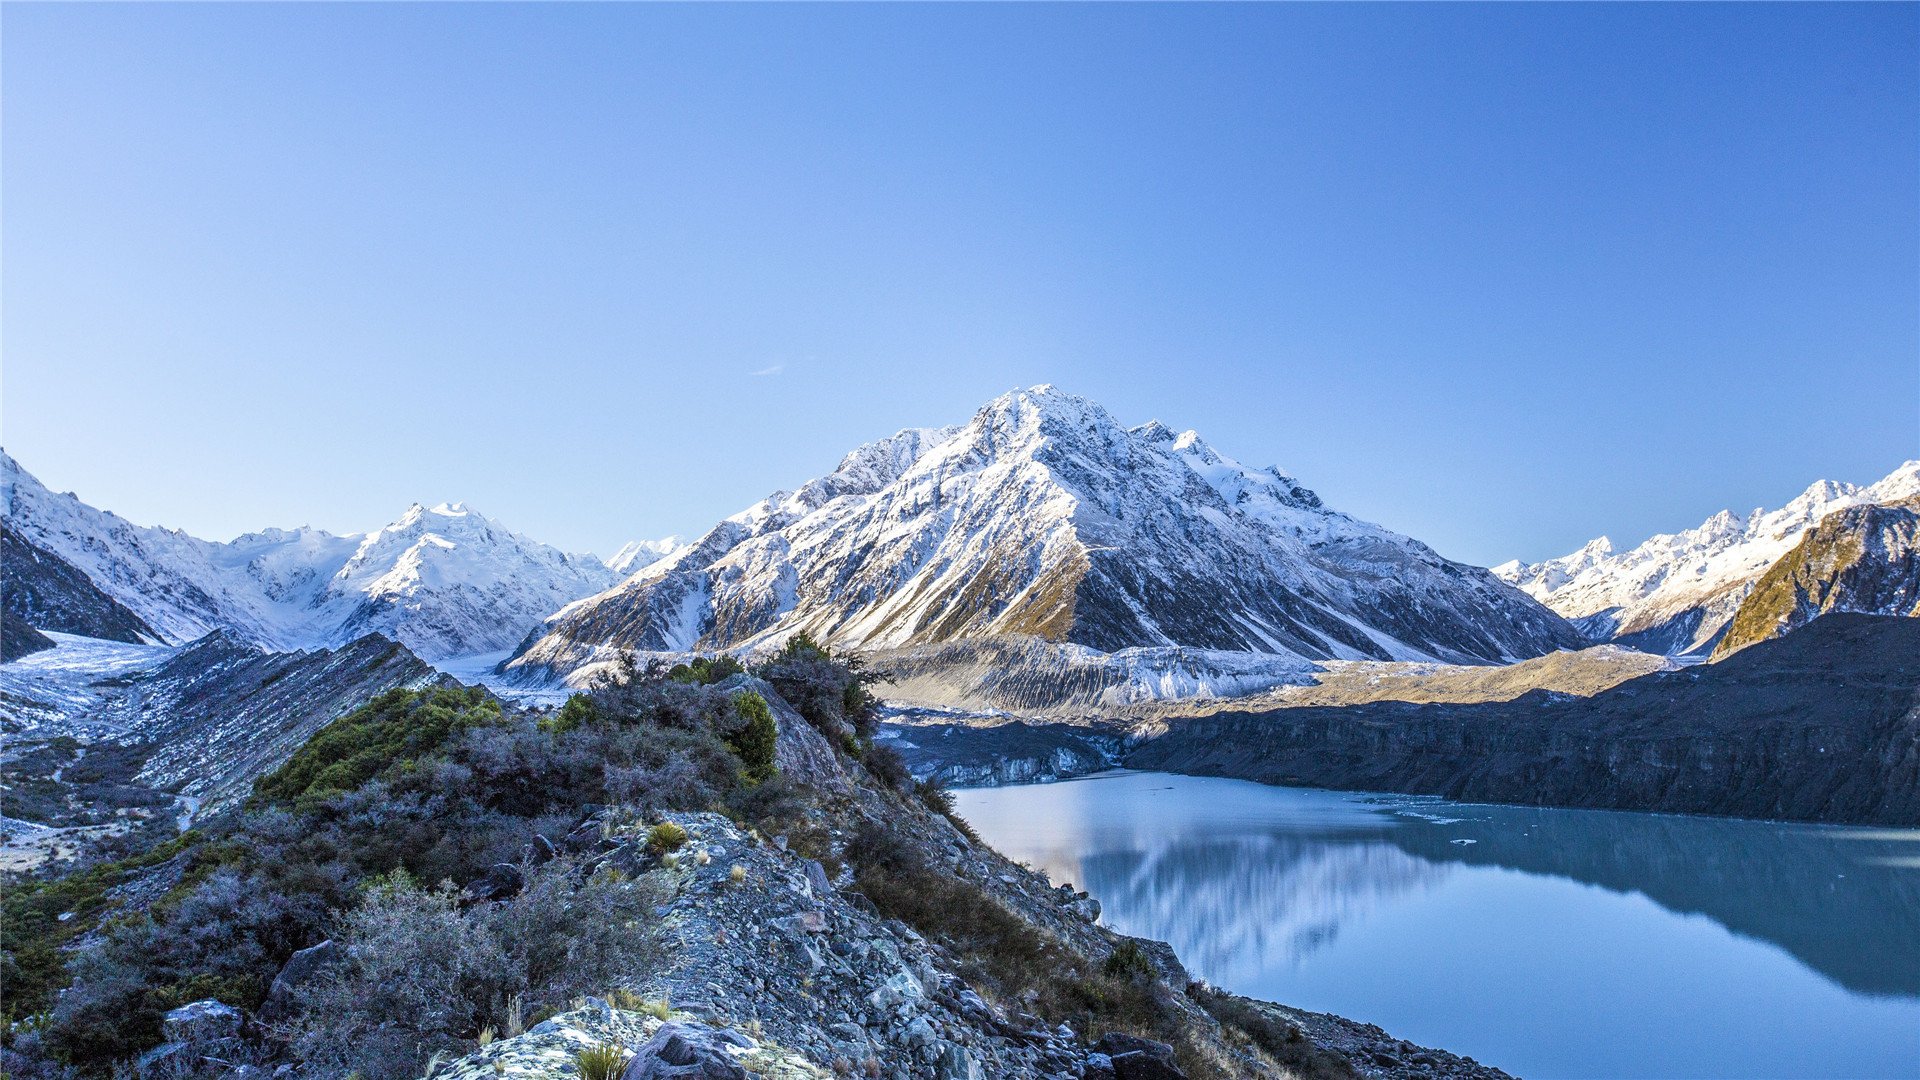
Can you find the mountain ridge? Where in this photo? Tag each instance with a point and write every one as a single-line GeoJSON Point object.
{"type": "Point", "coordinates": [1677, 592]}
{"type": "Point", "coordinates": [444, 580]}
{"type": "Point", "coordinates": [1044, 516]}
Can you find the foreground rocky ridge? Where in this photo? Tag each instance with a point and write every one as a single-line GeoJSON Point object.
{"type": "Point", "coordinates": [782, 973]}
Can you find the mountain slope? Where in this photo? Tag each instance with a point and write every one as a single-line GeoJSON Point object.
{"type": "Point", "coordinates": [1676, 592]}
{"type": "Point", "coordinates": [446, 581]}
{"type": "Point", "coordinates": [1862, 559]}
{"type": "Point", "coordinates": [45, 592]}
{"type": "Point", "coordinates": [1046, 518]}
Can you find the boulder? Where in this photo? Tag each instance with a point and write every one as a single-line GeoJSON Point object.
{"type": "Point", "coordinates": [502, 881]}
{"type": "Point", "coordinates": [957, 1063]}
{"type": "Point", "coordinates": [299, 970]}
{"type": "Point", "coordinates": [801, 753]}
{"type": "Point", "coordinates": [683, 1052]}
{"type": "Point", "coordinates": [817, 877]}
{"type": "Point", "coordinates": [1140, 1065]}
{"type": "Point", "coordinates": [1115, 1043]}
{"type": "Point", "coordinates": [203, 1022]}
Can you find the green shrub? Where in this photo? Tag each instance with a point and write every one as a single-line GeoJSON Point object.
{"type": "Point", "coordinates": [393, 730]}
{"type": "Point", "coordinates": [666, 837]}
{"type": "Point", "coordinates": [706, 670]}
{"type": "Point", "coordinates": [1128, 961]}
{"type": "Point", "coordinates": [578, 712]}
{"type": "Point", "coordinates": [755, 741]}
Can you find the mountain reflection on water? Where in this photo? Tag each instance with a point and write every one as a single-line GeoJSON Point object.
{"type": "Point", "coordinates": [1549, 942]}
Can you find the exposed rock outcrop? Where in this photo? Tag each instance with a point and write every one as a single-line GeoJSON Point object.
{"type": "Point", "coordinates": [1821, 725]}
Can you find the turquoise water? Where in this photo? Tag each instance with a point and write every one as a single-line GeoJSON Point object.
{"type": "Point", "coordinates": [1552, 943]}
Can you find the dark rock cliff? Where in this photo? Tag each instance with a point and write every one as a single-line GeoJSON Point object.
{"type": "Point", "coordinates": [1821, 725]}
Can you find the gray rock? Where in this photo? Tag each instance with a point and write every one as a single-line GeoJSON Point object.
{"type": "Point", "coordinates": [956, 1063]}
{"type": "Point", "coordinates": [1140, 1065]}
{"type": "Point", "coordinates": [817, 877]}
{"type": "Point", "coordinates": [901, 989]}
{"type": "Point", "coordinates": [849, 1032]}
{"type": "Point", "coordinates": [502, 881]}
{"type": "Point", "coordinates": [684, 1052]}
{"type": "Point", "coordinates": [203, 1022]}
{"type": "Point", "coordinates": [300, 968]}
{"type": "Point", "coordinates": [1115, 1043]}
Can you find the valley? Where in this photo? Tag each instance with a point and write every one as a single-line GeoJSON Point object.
{"type": "Point", "coordinates": [1037, 595]}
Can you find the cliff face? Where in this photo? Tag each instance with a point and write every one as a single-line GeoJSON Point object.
{"type": "Point", "coordinates": [1822, 725]}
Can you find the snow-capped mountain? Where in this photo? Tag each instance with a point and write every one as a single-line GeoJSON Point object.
{"type": "Point", "coordinates": [444, 580]}
{"type": "Point", "coordinates": [1863, 559]}
{"type": "Point", "coordinates": [639, 554]}
{"type": "Point", "coordinates": [1045, 517]}
{"type": "Point", "coordinates": [1676, 592]}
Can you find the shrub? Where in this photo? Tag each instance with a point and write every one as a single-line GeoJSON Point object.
{"type": "Point", "coordinates": [831, 694]}
{"type": "Point", "coordinates": [416, 979]}
{"type": "Point", "coordinates": [706, 670]}
{"type": "Point", "coordinates": [391, 731]}
{"type": "Point", "coordinates": [421, 976]}
{"type": "Point", "coordinates": [666, 837]}
{"type": "Point", "coordinates": [939, 798]}
{"type": "Point", "coordinates": [888, 767]}
{"type": "Point", "coordinates": [754, 742]}
{"type": "Point", "coordinates": [578, 712]}
{"type": "Point", "coordinates": [1128, 961]}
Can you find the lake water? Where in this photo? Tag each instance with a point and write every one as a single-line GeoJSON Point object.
{"type": "Point", "coordinates": [1551, 943]}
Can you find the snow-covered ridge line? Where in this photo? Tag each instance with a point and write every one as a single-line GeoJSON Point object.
{"type": "Point", "coordinates": [1044, 517]}
{"type": "Point", "coordinates": [1675, 592]}
{"type": "Point", "coordinates": [445, 580]}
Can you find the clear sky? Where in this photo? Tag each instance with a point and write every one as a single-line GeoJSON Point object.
{"type": "Point", "coordinates": [1502, 277]}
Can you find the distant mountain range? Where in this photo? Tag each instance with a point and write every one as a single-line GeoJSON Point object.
{"type": "Point", "coordinates": [444, 580]}
{"type": "Point", "coordinates": [1678, 592]}
{"type": "Point", "coordinates": [1041, 543]}
{"type": "Point", "coordinates": [1043, 517]}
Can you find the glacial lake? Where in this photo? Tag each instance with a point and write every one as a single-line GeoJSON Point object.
{"type": "Point", "coordinates": [1550, 943]}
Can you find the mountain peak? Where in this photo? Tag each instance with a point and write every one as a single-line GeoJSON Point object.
{"type": "Point", "coordinates": [1043, 516]}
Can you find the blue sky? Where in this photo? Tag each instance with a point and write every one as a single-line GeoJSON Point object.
{"type": "Point", "coordinates": [1503, 277]}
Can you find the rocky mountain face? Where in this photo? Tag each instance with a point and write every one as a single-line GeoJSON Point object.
{"type": "Point", "coordinates": [200, 721]}
{"type": "Point", "coordinates": [1862, 559]}
{"type": "Point", "coordinates": [42, 591]}
{"type": "Point", "coordinates": [220, 713]}
{"type": "Point", "coordinates": [1676, 593]}
{"type": "Point", "coordinates": [1043, 517]}
{"type": "Point", "coordinates": [1820, 725]}
{"type": "Point", "coordinates": [444, 580]}
{"type": "Point", "coordinates": [18, 638]}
